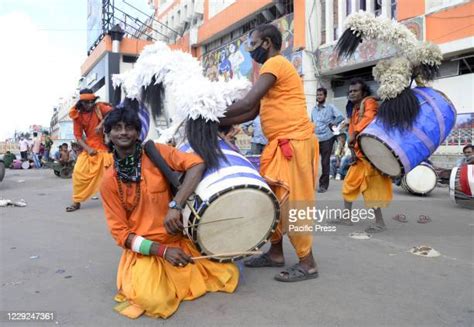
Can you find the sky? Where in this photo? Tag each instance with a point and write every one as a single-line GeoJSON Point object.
{"type": "Point", "coordinates": [44, 45]}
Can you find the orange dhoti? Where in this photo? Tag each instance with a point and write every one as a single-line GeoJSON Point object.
{"type": "Point", "coordinates": [155, 284]}
{"type": "Point", "coordinates": [363, 178]}
{"type": "Point", "coordinates": [88, 173]}
{"type": "Point", "coordinates": [293, 182]}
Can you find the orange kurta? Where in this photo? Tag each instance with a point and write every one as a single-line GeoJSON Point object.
{"type": "Point", "coordinates": [362, 177]}
{"type": "Point", "coordinates": [284, 116]}
{"type": "Point", "coordinates": [88, 170]}
{"type": "Point", "coordinates": [86, 122]}
{"type": "Point", "coordinates": [151, 284]}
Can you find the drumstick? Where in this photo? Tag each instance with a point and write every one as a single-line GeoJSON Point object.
{"type": "Point", "coordinates": [214, 221]}
{"type": "Point", "coordinates": [231, 254]}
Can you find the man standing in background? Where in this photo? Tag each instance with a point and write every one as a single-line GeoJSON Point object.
{"type": "Point", "coordinates": [259, 140]}
{"type": "Point", "coordinates": [24, 145]}
{"type": "Point", "coordinates": [48, 143]}
{"type": "Point", "coordinates": [325, 116]}
{"type": "Point", "coordinates": [35, 148]}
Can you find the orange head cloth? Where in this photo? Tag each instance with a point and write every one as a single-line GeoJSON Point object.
{"type": "Point", "coordinates": [87, 97]}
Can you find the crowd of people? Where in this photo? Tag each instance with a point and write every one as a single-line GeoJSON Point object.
{"type": "Point", "coordinates": [38, 152]}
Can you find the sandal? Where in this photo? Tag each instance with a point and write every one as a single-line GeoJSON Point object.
{"type": "Point", "coordinates": [400, 218]}
{"type": "Point", "coordinates": [73, 207]}
{"type": "Point", "coordinates": [262, 261]}
{"type": "Point", "coordinates": [422, 219]}
{"type": "Point", "coordinates": [295, 273]}
{"type": "Point", "coordinates": [375, 229]}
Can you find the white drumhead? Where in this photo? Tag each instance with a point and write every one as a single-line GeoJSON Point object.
{"type": "Point", "coordinates": [380, 156]}
{"type": "Point", "coordinates": [422, 179]}
{"type": "Point", "coordinates": [25, 165]}
{"type": "Point", "coordinates": [237, 235]}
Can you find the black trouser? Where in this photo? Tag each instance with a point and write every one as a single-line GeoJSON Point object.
{"type": "Point", "coordinates": [24, 155]}
{"type": "Point", "coordinates": [325, 150]}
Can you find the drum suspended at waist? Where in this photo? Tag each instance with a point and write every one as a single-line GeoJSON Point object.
{"type": "Point", "coordinates": [461, 186]}
{"type": "Point", "coordinates": [237, 212]}
{"type": "Point", "coordinates": [421, 180]}
{"type": "Point", "coordinates": [396, 152]}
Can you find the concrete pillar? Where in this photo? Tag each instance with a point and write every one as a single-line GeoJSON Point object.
{"type": "Point", "coordinates": [329, 21]}
{"type": "Point", "coordinates": [341, 16]}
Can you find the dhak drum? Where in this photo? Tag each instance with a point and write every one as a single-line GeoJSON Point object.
{"type": "Point", "coordinates": [254, 160]}
{"type": "Point", "coordinates": [421, 180]}
{"type": "Point", "coordinates": [461, 186]}
{"type": "Point", "coordinates": [25, 165]}
{"type": "Point", "coordinates": [396, 152]}
{"type": "Point", "coordinates": [236, 210]}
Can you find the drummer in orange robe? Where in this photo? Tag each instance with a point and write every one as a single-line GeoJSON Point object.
{"type": "Point", "coordinates": [289, 161]}
{"type": "Point", "coordinates": [362, 177]}
{"type": "Point", "coordinates": [87, 117]}
{"type": "Point", "coordinates": [156, 271]}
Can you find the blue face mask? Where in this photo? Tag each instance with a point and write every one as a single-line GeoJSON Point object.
{"type": "Point", "coordinates": [260, 54]}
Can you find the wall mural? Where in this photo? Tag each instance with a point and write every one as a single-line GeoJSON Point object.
{"type": "Point", "coordinates": [369, 51]}
{"type": "Point", "coordinates": [233, 60]}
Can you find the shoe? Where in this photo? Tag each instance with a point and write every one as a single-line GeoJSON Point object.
{"type": "Point", "coordinates": [322, 190]}
{"type": "Point", "coordinates": [331, 177]}
{"type": "Point", "coordinates": [338, 177]}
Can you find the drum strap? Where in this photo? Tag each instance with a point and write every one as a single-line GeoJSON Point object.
{"type": "Point", "coordinates": [155, 157]}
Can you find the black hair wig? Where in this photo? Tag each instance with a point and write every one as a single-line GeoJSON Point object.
{"type": "Point", "coordinates": [202, 136]}
{"type": "Point", "coordinates": [153, 98]}
{"type": "Point", "coordinates": [347, 44]}
{"type": "Point", "coordinates": [426, 72]}
{"type": "Point", "coordinates": [399, 112]}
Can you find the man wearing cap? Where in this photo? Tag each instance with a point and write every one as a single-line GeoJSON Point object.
{"type": "Point", "coordinates": [88, 117]}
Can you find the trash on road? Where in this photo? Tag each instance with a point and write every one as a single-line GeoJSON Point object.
{"type": "Point", "coordinates": [34, 257]}
{"type": "Point", "coordinates": [60, 271]}
{"type": "Point", "coordinates": [21, 203]}
{"type": "Point", "coordinates": [7, 202]}
{"type": "Point", "coordinates": [425, 251]}
{"type": "Point", "coordinates": [360, 236]}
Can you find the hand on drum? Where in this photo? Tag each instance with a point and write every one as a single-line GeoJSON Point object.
{"type": "Point", "coordinates": [177, 257]}
{"type": "Point", "coordinates": [173, 223]}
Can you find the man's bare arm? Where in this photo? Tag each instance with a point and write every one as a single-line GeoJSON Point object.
{"type": "Point", "coordinates": [252, 99]}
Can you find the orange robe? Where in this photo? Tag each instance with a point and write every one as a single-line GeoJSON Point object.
{"type": "Point", "coordinates": [88, 170]}
{"type": "Point", "coordinates": [149, 284]}
{"type": "Point", "coordinates": [362, 177]}
{"type": "Point", "coordinates": [284, 116]}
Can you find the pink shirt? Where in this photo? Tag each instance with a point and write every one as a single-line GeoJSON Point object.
{"type": "Point", "coordinates": [36, 144]}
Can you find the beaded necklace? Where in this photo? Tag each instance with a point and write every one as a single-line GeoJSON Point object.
{"type": "Point", "coordinates": [122, 197]}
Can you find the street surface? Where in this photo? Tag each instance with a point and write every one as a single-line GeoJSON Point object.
{"type": "Point", "coordinates": [66, 263]}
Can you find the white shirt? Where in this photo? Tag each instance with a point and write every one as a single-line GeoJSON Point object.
{"type": "Point", "coordinates": [24, 144]}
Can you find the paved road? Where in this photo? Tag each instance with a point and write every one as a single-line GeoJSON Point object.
{"type": "Point", "coordinates": [374, 282]}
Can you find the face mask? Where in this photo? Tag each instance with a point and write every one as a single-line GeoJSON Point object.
{"type": "Point", "coordinates": [259, 54]}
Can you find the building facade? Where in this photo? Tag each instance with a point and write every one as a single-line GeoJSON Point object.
{"type": "Point", "coordinates": [215, 31]}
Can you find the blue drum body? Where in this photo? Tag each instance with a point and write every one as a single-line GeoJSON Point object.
{"type": "Point", "coordinates": [235, 211]}
{"type": "Point", "coordinates": [385, 148]}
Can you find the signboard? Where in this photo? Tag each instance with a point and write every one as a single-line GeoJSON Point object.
{"type": "Point", "coordinates": [94, 22]}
